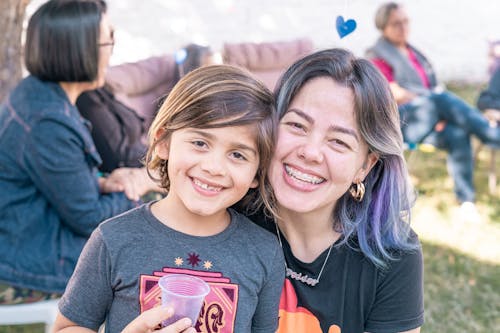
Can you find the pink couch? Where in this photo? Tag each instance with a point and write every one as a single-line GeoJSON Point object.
{"type": "Point", "coordinates": [141, 85]}
{"type": "Point", "coordinates": [266, 60]}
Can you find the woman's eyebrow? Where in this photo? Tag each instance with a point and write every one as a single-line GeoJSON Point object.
{"type": "Point", "coordinates": [345, 130]}
{"type": "Point", "coordinates": [332, 128]}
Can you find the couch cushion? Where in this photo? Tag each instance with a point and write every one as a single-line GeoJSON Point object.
{"type": "Point", "coordinates": [266, 60]}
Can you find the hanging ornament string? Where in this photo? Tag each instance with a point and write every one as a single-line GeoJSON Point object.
{"type": "Point", "coordinates": [304, 278]}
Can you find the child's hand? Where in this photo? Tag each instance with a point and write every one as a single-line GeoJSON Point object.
{"type": "Point", "coordinates": [149, 320]}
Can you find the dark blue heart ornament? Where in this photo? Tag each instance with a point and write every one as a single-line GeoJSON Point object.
{"type": "Point", "coordinates": [344, 28]}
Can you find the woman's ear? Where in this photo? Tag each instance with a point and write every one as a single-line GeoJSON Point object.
{"type": "Point", "coordinates": [162, 144]}
{"type": "Point", "coordinates": [368, 164]}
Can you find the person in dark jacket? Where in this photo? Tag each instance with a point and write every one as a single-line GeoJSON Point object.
{"type": "Point", "coordinates": [118, 130]}
{"type": "Point", "coordinates": [489, 99]}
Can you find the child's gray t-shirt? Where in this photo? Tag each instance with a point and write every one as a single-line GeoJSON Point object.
{"type": "Point", "coordinates": [116, 277]}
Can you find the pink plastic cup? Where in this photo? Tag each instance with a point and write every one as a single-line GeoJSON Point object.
{"type": "Point", "coordinates": [185, 294]}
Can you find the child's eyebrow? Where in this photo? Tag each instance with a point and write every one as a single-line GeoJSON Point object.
{"type": "Point", "coordinates": [236, 145]}
{"type": "Point", "coordinates": [241, 146]}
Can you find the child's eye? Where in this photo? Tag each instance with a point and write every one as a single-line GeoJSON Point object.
{"type": "Point", "coordinates": [238, 156]}
{"type": "Point", "coordinates": [199, 143]}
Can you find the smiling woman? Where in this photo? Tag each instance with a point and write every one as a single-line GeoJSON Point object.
{"type": "Point", "coordinates": [343, 200]}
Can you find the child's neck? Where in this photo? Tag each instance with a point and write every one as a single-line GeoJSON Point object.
{"type": "Point", "coordinates": [178, 217]}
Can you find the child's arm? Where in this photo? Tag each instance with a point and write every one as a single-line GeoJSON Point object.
{"type": "Point", "coordinates": [146, 322]}
{"type": "Point", "coordinates": [265, 319]}
{"type": "Point", "coordinates": [89, 292]}
{"type": "Point", "coordinates": [63, 324]}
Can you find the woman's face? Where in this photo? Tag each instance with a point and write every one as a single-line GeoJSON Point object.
{"type": "Point", "coordinates": [319, 152]}
{"type": "Point", "coordinates": [397, 28]}
{"type": "Point", "coordinates": [106, 43]}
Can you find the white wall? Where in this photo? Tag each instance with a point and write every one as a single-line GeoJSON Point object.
{"type": "Point", "coordinates": [453, 33]}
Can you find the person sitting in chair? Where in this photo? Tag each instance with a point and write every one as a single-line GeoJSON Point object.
{"type": "Point", "coordinates": [428, 112]}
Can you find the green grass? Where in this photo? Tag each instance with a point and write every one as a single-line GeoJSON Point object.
{"type": "Point", "coordinates": [462, 260]}
{"type": "Point", "coordinates": [35, 328]}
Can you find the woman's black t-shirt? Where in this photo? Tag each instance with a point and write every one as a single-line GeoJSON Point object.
{"type": "Point", "coordinates": [353, 296]}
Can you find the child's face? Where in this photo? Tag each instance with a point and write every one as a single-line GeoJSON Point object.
{"type": "Point", "coordinates": [210, 169]}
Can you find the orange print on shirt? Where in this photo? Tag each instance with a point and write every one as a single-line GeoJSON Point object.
{"type": "Point", "coordinates": [295, 318]}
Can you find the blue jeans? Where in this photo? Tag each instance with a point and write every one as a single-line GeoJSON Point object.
{"type": "Point", "coordinates": [418, 119]}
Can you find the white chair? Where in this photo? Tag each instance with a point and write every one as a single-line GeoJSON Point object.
{"type": "Point", "coordinates": [31, 313]}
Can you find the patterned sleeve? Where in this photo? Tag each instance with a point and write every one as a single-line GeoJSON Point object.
{"type": "Point", "coordinates": [89, 293]}
{"type": "Point", "coordinates": [399, 304]}
{"type": "Point", "coordinates": [265, 319]}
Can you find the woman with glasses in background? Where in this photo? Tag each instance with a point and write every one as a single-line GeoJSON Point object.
{"type": "Point", "coordinates": [429, 113]}
{"type": "Point", "coordinates": [51, 197]}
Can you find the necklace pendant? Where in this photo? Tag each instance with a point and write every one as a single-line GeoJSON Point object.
{"type": "Point", "coordinates": [304, 278]}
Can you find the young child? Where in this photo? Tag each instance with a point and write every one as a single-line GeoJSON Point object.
{"type": "Point", "coordinates": [211, 142]}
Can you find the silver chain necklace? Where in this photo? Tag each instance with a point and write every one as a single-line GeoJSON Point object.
{"type": "Point", "coordinates": [304, 278]}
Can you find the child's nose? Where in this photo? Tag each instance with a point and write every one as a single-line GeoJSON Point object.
{"type": "Point", "coordinates": [214, 165]}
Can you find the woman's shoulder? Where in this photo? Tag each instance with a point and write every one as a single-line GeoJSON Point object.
{"type": "Point", "coordinates": [32, 90]}
{"type": "Point", "coordinates": [35, 101]}
{"type": "Point", "coordinates": [397, 256]}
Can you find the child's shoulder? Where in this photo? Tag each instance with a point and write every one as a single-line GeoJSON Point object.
{"type": "Point", "coordinates": [129, 221]}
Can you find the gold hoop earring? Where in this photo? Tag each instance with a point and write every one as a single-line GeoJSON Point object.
{"type": "Point", "coordinates": [357, 191]}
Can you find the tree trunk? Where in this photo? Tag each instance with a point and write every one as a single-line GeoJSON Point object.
{"type": "Point", "coordinates": [11, 27]}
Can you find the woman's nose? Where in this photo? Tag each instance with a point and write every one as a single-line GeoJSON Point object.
{"type": "Point", "coordinates": [311, 151]}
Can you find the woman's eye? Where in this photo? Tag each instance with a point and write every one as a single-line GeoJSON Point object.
{"type": "Point", "coordinates": [340, 143]}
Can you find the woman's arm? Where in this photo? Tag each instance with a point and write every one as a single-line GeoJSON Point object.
{"type": "Point", "coordinates": [401, 95]}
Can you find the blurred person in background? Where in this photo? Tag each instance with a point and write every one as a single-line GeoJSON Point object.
{"type": "Point", "coordinates": [489, 99]}
{"type": "Point", "coordinates": [429, 113]}
{"type": "Point", "coordinates": [51, 196]}
{"type": "Point", "coordinates": [119, 130]}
